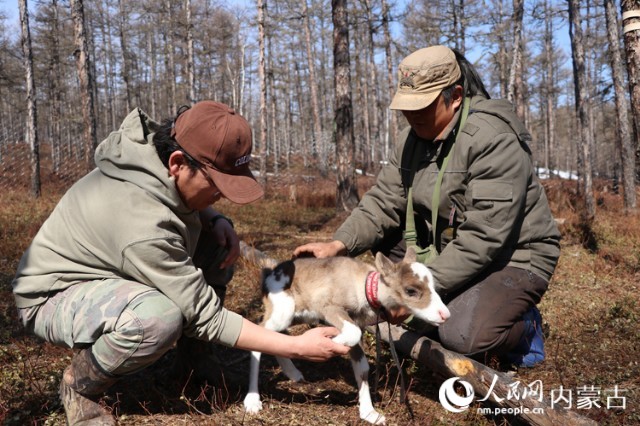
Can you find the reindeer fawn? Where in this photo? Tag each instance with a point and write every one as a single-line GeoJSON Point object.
{"type": "Point", "coordinates": [348, 294]}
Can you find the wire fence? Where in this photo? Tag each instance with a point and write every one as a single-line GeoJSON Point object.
{"type": "Point", "coordinates": [289, 158]}
{"type": "Point", "coordinates": [290, 175]}
{"type": "Point", "coordinates": [17, 170]}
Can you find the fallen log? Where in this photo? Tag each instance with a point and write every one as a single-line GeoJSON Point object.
{"type": "Point", "coordinates": [257, 257]}
{"type": "Point", "coordinates": [487, 383]}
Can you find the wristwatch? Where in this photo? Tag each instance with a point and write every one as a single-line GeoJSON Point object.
{"type": "Point", "coordinates": [214, 219]}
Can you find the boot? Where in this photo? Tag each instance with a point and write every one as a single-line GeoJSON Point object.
{"type": "Point", "coordinates": [80, 388]}
{"type": "Point", "coordinates": [530, 350]}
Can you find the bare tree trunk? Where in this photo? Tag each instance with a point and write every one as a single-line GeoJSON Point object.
{"type": "Point", "coordinates": [263, 90]}
{"type": "Point", "coordinates": [170, 53]}
{"type": "Point", "coordinates": [590, 76]}
{"type": "Point", "coordinates": [624, 135]}
{"type": "Point", "coordinates": [502, 55]}
{"type": "Point", "coordinates": [313, 83]}
{"type": "Point", "coordinates": [243, 47]}
{"type": "Point", "coordinates": [303, 124]}
{"type": "Point", "coordinates": [582, 106]}
{"type": "Point", "coordinates": [273, 106]}
{"type": "Point", "coordinates": [151, 47]}
{"type": "Point", "coordinates": [631, 21]}
{"type": "Point", "coordinates": [124, 42]}
{"type": "Point", "coordinates": [32, 118]}
{"type": "Point", "coordinates": [393, 119]}
{"type": "Point", "coordinates": [108, 116]}
{"type": "Point", "coordinates": [289, 123]}
{"type": "Point", "coordinates": [56, 96]}
{"type": "Point", "coordinates": [373, 85]}
{"type": "Point", "coordinates": [459, 25]}
{"type": "Point", "coordinates": [514, 92]}
{"type": "Point", "coordinates": [362, 128]}
{"type": "Point", "coordinates": [550, 93]}
{"type": "Point", "coordinates": [326, 82]}
{"type": "Point", "coordinates": [347, 194]}
{"type": "Point", "coordinates": [83, 64]}
{"type": "Point", "coordinates": [190, 59]}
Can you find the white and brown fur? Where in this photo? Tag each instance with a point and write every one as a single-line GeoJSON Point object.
{"type": "Point", "coordinates": [332, 290]}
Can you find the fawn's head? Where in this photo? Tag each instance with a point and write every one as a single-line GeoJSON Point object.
{"type": "Point", "coordinates": [410, 284]}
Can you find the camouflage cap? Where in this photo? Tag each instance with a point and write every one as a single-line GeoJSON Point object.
{"type": "Point", "coordinates": [422, 75]}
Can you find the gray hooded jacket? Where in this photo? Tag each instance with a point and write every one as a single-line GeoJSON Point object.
{"type": "Point", "coordinates": [125, 219]}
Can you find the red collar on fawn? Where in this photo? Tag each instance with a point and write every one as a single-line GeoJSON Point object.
{"type": "Point", "coordinates": [371, 289]}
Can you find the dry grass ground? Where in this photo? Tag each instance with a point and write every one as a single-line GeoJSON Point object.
{"type": "Point", "coordinates": [591, 314]}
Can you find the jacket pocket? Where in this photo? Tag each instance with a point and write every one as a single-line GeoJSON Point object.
{"type": "Point", "coordinates": [493, 201]}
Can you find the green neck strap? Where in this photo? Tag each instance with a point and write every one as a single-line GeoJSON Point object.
{"type": "Point", "coordinates": [410, 234]}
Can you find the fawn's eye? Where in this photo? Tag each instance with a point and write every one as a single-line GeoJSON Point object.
{"type": "Point", "coordinates": [411, 292]}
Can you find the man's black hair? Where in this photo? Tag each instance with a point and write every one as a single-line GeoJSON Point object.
{"type": "Point", "coordinates": [166, 144]}
{"type": "Point", "coordinates": [469, 79]}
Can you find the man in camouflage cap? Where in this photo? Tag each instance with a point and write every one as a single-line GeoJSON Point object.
{"type": "Point", "coordinates": [493, 244]}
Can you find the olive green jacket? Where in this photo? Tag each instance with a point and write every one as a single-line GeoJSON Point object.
{"type": "Point", "coordinates": [126, 219]}
{"type": "Point", "coordinates": [492, 209]}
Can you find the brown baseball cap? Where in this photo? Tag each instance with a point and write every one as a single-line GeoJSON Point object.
{"type": "Point", "coordinates": [422, 75]}
{"type": "Point", "coordinates": [214, 135]}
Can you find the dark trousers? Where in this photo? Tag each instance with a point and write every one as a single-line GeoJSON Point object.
{"type": "Point", "coordinates": [486, 313]}
{"type": "Point", "coordinates": [207, 257]}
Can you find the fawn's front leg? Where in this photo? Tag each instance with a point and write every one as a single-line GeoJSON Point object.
{"type": "Point", "coordinates": [361, 372]}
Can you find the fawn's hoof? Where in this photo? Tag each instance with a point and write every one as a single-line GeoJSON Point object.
{"type": "Point", "coordinates": [252, 403]}
{"type": "Point", "coordinates": [374, 418]}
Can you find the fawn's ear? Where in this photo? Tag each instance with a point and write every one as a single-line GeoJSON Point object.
{"type": "Point", "coordinates": [383, 263]}
{"type": "Point", "coordinates": [410, 255]}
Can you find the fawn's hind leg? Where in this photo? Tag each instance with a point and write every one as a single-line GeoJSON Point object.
{"type": "Point", "coordinates": [252, 403]}
{"type": "Point", "coordinates": [281, 317]}
{"type": "Point", "coordinates": [278, 317]}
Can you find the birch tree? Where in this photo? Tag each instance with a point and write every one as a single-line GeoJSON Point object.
{"type": "Point", "coordinates": [372, 87]}
{"type": "Point", "coordinates": [623, 140]}
{"type": "Point", "coordinates": [170, 58]}
{"type": "Point", "coordinates": [32, 115]}
{"type": "Point", "coordinates": [549, 87]}
{"type": "Point", "coordinates": [459, 24]}
{"type": "Point", "coordinates": [106, 58]}
{"type": "Point", "coordinates": [393, 119]}
{"type": "Point", "coordinates": [582, 108]}
{"type": "Point", "coordinates": [263, 89]}
{"type": "Point", "coordinates": [190, 55]}
{"type": "Point", "coordinates": [346, 194]}
{"type": "Point", "coordinates": [631, 21]}
{"type": "Point", "coordinates": [55, 88]}
{"type": "Point", "coordinates": [83, 65]}
{"type": "Point", "coordinates": [313, 83]}
{"type": "Point", "coordinates": [125, 52]}
{"type": "Point", "coordinates": [515, 87]}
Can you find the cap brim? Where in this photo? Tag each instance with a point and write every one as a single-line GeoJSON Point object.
{"type": "Point", "coordinates": [238, 188]}
{"type": "Point", "coordinates": [413, 101]}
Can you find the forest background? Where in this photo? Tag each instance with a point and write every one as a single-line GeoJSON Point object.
{"type": "Point", "coordinates": [72, 72]}
{"type": "Point", "coordinates": [315, 83]}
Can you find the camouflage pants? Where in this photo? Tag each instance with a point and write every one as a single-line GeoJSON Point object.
{"type": "Point", "coordinates": [128, 325]}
